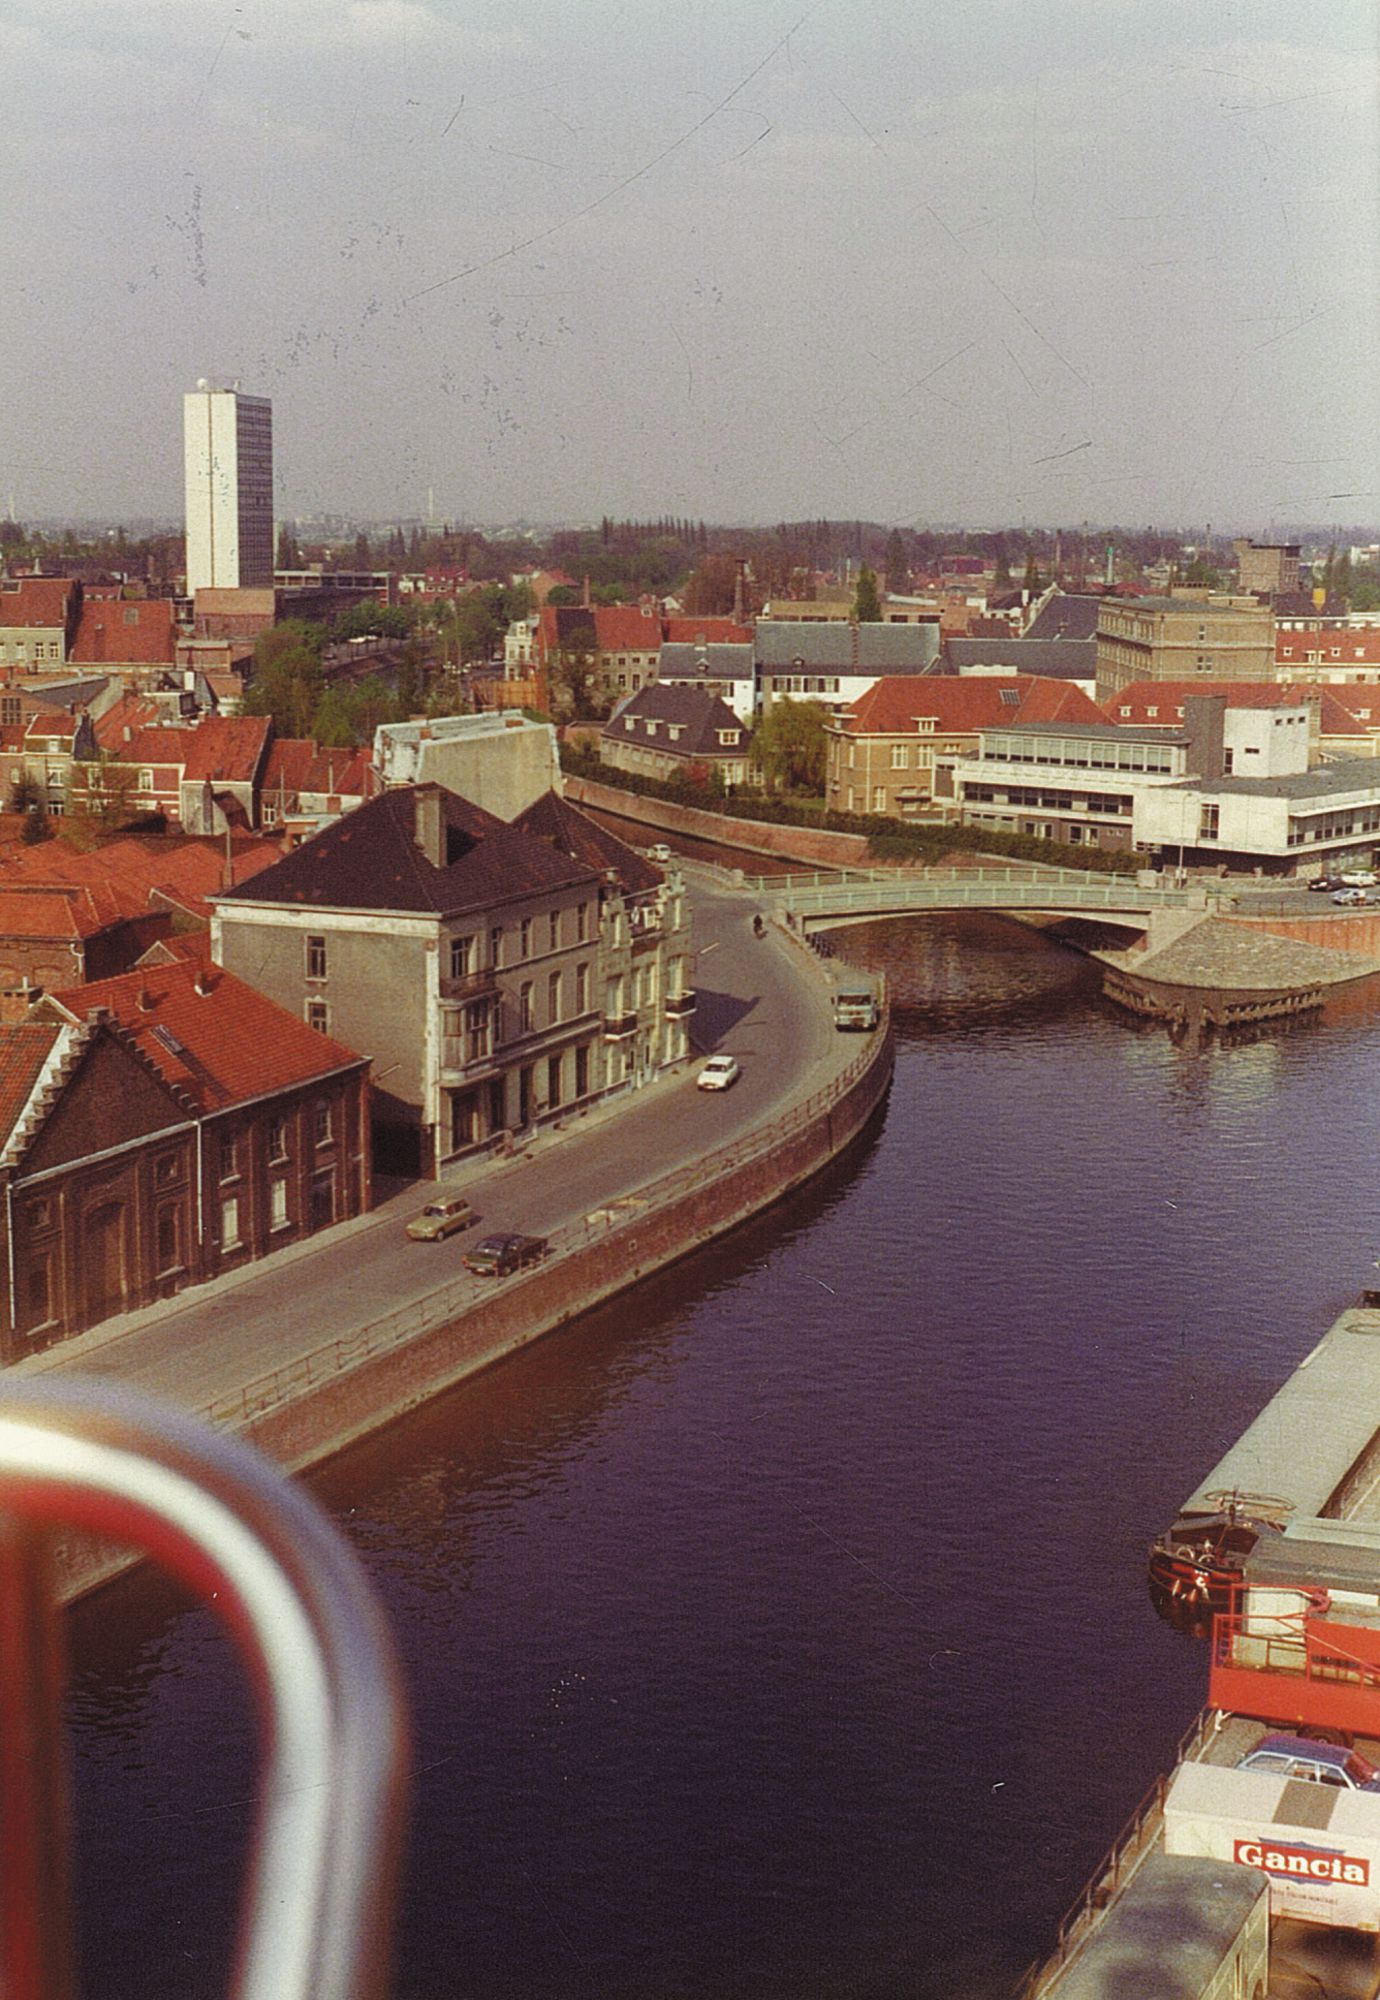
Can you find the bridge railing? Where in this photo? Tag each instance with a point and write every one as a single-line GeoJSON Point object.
{"type": "Point", "coordinates": [838, 898]}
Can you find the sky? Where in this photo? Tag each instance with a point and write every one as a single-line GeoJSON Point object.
{"type": "Point", "coordinates": [985, 262]}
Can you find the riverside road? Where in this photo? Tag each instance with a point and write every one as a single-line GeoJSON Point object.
{"type": "Point", "coordinates": [754, 1001]}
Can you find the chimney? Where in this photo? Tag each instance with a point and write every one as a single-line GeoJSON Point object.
{"type": "Point", "coordinates": [429, 823]}
{"type": "Point", "coordinates": [203, 983]}
{"type": "Point", "coordinates": [585, 598]}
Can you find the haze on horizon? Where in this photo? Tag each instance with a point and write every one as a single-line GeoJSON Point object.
{"type": "Point", "coordinates": [746, 260]}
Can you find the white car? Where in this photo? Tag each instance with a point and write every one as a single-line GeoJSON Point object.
{"type": "Point", "coordinates": [1358, 878]}
{"type": "Point", "coordinates": [660, 853]}
{"type": "Point", "coordinates": [718, 1073]}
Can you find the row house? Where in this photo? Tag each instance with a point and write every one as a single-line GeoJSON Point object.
{"type": "Point", "coordinates": [203, 776]}
{"type": "Point", "coordinates": [69, 917]}
{"type": "Point", "coordinates": [892, 751]}
{"type": "Point", "coordinates": [38, 621]}
{"type": "Point", "coordinates": [667, 732]}
{"type": "Point", "coordinates": [41, 752]}
{"type": "Point", "coordinates": [158, 1130]}
{"type": "Point", "coordinates": [836, 663]}
{"type": "Point", "coordinates": [467, 957]}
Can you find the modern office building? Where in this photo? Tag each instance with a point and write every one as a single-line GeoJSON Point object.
{"type": "Point", "coordinates": [229, 467]}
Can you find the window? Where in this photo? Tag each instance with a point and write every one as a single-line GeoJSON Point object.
{"type": "Point", "coordinates": [461, 957]}
{"type": "Point", "coordinates": [229, 1156]}
{"type": "Point", "coordinates": [40, 1214]}
{"type": "Point", "coordinates": [900, 756]}
{"type": "Point", "coordinates": [879, 798]}
{"type": "Point", "coordinates": [496, 946]}
{"type": "Point", "coordinates": [316, 958]}
{"type": "Point", "coordinates": [553, 997]}
{"type": "Point", "coordinates": [323, 1121]}
{"type": "Point", "coordinates": [582, 1070]}
{"type": "Point", "coordinates": [230, 1222]}
{"type": "Point", "coordinates": [581, 922]}
{"type": "Point", "coordinates": [169, 1244]}
{"type": "Point", "coordinates": [553, 930]}
{"type": "Point", "coordinates": [146, 781]}
{"type": "Point", "coordinates": [581, 989]}
{"type": "Point", "coordinates": [525, 938]}
{"type": "Point", "coordinates": [277, 1138]}
{"type": "Point", "coordinates": [525, 1008]}
{"type": "Point", "coordinates": [1207, 821]}
{"type": "Point", "coordinates": [40, 1291]}
{"type": "Point", "coordinates": [278, 1217]}
{"type": "Point", "coordinates": [553, 1081]}
{"type": "Point", "coordinates": [318, 1015]}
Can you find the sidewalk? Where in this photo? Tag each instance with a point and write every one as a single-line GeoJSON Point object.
{"type": "Point", "coordinates": [763, 1000]}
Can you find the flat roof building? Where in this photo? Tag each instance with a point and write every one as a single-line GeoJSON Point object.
{"type": "Point", "coordinates": [228, 445]}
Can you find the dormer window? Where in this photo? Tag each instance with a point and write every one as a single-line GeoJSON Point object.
{"type": "Point", "coordinates": [729, 738]}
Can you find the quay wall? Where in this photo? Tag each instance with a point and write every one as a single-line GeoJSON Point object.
{"type": "Point", "coordinates": [790, 843]}
{"type": "Point", "coordinates": [311, 1409]}
{"type": "Point", "coordinates": [1359, 935]}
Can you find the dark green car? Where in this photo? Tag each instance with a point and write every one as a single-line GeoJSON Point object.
{"type": "Point", "coordinates": [498, 1256]}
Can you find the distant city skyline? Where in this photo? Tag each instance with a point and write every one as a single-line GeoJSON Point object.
{"type": "Point", "coordinates": [743, 263]}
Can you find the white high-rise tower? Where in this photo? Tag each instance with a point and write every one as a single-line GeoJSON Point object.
{"type": "Point", "coordinates": [229, 463]}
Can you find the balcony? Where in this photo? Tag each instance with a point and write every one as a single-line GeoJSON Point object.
{"type": "Point", "coordinates": [617, 1027]}
{"type": "Point", "coordinates": [471, 985]}
{"type": "Point", "coordinates": [678, 1005]}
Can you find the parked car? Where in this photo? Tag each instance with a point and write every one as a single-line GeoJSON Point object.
{"type": "Point", "coordinates": [1327, 883]}
{"type": "Point", "coordinates": [1358, 878]}
{"type": "Point", "coordinates": [1321, 1763]}
{"type": "Point", "coordinates": [498, 1256]}
{"type": "Point", "coordinates": [1350, 896]}
{"type": "Point", "coordinates": [719, 1073]}
{"type": "Point", "coordinates": [441, 1217]}
{"type": "Point", "coordinates": [660, 852]}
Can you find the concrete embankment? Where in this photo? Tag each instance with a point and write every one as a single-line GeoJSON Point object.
{"type": "Point", "coordinates": [368, 1375]}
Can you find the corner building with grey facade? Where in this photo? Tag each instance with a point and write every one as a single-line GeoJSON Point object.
{"type": "Point", "coordinates": [499, 975]}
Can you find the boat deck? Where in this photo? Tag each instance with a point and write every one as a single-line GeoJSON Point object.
{"type": "Point", "coordinates": [1316, 1443]}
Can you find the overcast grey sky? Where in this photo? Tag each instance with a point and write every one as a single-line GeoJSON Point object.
{"type": "Point", "coordinates": [985, 261]}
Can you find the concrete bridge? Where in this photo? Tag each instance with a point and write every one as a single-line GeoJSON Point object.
{"type": "Point", "coordinates": [860, 895]}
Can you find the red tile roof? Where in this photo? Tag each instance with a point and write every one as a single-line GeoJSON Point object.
{"type": "Point", "coordinates": [123, 878]}
{"type": "Point", "coordinates": [37, 600]}
{"type": "Point", "coordinates": [228, 749]}
{"type": "Point", "coordinates": [1168, 697]}
{"type": "Point", "coordinates": [297, 764]}
{"type": "Point", "coordinates": [705, 632]}
{"type": "Point", "coordinates": [137, 633]}
{"type": "Point", "coordinates": [965, 702]}
{"type": "Point", "coordinates": [24, 1048]}
{"type": "Point", "coordinates": [208, 1034]}
{"type": "Point", "coordinates": [131, 712]}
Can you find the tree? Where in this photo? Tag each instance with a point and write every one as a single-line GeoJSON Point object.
{"type": "Point", "coordinates": [709, 590]}
{"type": "Point", "coordinates": [789, 745]}
{"type": "Point", "coordinates": [1032, 580]}
{"type": "Point", "coordinates": [37, 826]}
{"type": "Point", "coordinates": [289, 555]}
{"type": "Point", "coordinates": [867, 605]}
{"type": "Point", "coordinates": [897, 568]}
{"type": "Point", "coordinates": [287, 681]}
{"type": "Point", "coordinates": [26, 793]}
{"type": "Point", "coordinates": [109, 793]}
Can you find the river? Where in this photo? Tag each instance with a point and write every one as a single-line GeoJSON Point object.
{"type": "Point", "coordinates": [782, 1630]}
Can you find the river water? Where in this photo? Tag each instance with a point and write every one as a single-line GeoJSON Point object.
{"type": "Point", "coordinates": [782, 1630]}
